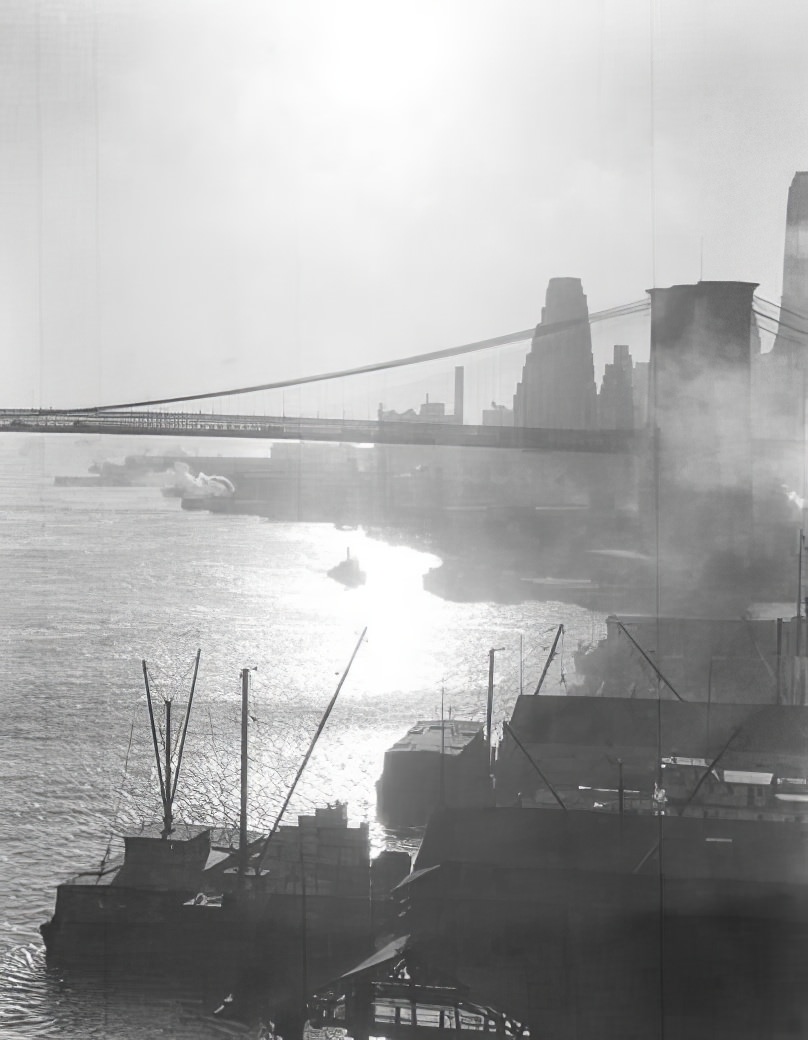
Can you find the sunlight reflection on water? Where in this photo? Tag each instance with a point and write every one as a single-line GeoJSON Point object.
{"type": "Point", "coordinates": [104, 578]}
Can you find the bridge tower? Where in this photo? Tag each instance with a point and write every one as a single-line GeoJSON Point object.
{"type": "Point", "coordinates": [700, 474]}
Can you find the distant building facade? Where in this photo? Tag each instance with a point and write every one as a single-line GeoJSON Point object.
{"type": "Point", "coordinates": [431, 411]}
{"type": "Point", "coordinates": [497, 415]}
{"type": "Point", "coordinates": [616, 396]}
{"type": "Point", "coordinates": [623, 395]}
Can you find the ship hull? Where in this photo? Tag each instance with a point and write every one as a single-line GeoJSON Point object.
{"type": "Point", "coordinates": [241, 944]}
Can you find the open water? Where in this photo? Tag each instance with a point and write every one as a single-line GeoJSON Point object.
{"type": "Point", "coordinates": [96, 579]}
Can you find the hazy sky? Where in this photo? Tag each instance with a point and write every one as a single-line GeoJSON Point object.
{"type": "Point", "coordinates": [204, 193]}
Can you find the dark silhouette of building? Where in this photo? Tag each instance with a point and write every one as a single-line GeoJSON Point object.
{"type": "Point", "coordinates": [557, 389]}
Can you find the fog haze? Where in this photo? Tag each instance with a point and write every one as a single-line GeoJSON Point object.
{"type": "Point", "coordinates": [205, 195]}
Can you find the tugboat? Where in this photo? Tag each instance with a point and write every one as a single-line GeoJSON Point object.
{"type": "Point", "coordinates": [348, 572]}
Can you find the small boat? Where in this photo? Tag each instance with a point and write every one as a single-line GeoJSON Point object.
{"type": "Point", "coordinates": [348, 572]}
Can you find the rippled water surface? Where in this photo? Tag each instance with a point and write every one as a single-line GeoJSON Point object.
{"type": "Point", "coordinates": [97, 579]}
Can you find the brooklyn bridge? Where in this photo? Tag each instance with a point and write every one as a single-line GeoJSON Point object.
{"type": "Point", "coordinates": [566, 331]}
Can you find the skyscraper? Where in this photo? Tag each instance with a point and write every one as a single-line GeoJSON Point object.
{"type": "Point", "coordinates": [792, 339]}
{"type": "Point", "coordinates": [616, 397]}
{"type": "Point", "coordinates": [780, 376]}
{"type": "Point", "coordinates": [557, 389]}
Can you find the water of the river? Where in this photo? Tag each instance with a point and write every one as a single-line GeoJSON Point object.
{"type": "Point", "coordinates": [94, 580]}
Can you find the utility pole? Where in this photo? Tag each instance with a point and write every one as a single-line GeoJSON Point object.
{"type": "Point", "coordinates": [490, 707]}
{"type": "Point", "coordinates": [549, 661]}
{"type": "Point", "coordinates": [779, 673]}
{"type": "Point", "coordinates": [798, 692]}
{"type": "Point", "coordinates": [442, 798]}
{"type": "Point", "coordinates": [168, 815]}
{"type": "Point", "coordinates": [242, 825]}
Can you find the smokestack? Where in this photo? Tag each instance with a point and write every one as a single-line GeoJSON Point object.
{"type": "Point", "coordinates": [458, 395]}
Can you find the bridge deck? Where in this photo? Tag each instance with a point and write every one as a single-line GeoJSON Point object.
{"type": "Point", "coordinates": [352, 431]}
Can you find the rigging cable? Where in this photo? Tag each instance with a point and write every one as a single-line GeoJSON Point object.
{"type": "Point", "coordinates": [105, 857]}
{"type": "Point", "coordinates": [780, 307]}
{"type": "Point", "coordinates": [780, 335]}
{"type": "Point", "coordinates": [781, 324]}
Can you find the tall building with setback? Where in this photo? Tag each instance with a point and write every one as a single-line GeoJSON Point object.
{"type": "Point", "coordinates": [557, 389]}
{"type": "Point", "coordinates": [780, 376]}
{"type": "Point", "coordinates": [780, 391]}
{"type": "Point", "coordinates": [792, 338]}
{"type": "Point", "coordinates": [616, 397]}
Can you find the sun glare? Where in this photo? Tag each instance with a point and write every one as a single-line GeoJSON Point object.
{"type": "Point", "coordinates": [398, 615]}
{"type": "Point", "coordinates": [385, 60]}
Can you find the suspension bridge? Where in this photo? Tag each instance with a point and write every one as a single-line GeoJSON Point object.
{"type": "Point", "coordinates": [173, 415]}
{"type": "Point", "coordinates": [181, 415]}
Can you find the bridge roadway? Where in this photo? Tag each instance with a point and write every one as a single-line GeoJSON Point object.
{"type": "Point", "coordinates": [351, 431]}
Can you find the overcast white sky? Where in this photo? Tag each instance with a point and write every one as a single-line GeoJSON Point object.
{"type": "Point", "coordinates": [205, 193]}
